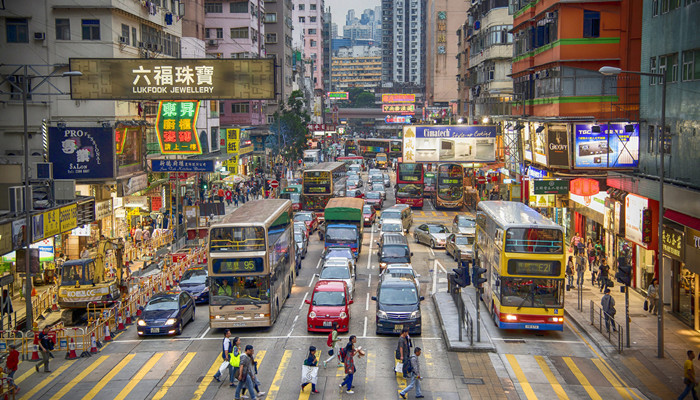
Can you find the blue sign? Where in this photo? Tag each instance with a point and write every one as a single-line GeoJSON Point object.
{"type": "Point", "coordinates": [182, 165]}
{"type": "Point", "coordinates": [612, 147]}
{"type": "Point", "coordinates": [536, 173]}
{"type": "Point", "coordinates": [82, 153]}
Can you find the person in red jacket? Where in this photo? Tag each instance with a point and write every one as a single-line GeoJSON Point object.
{"type": "Point", "coordinates": [11, 364]}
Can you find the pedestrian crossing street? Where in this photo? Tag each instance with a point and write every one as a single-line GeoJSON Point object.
{"type": "Point", "coordinates": [164, 373]}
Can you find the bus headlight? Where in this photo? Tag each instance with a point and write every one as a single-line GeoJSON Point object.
{"type": "Point", "coordinates": [381, 314]}
{"type": "Point", "coordinates": [312, 314]}
{"type": "Point", "coordinates": [511, 317]}
{"type": "Point", "coordinates": [343, 315]}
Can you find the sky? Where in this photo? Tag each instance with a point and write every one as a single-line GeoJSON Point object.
{"type": "Point", "coordinates": [339, 9]}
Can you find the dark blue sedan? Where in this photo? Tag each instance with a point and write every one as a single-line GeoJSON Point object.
{"type": "Point", "coordinates": [194, 281]}
{"type": "Point", "coordinates": [166, 313]}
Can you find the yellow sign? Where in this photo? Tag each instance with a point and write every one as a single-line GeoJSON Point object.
{"type": "Point", "coordinates": [232, 165]}
{"type": "Point", "coordinates": [232, 140]}
{"type": "Point", "coordinates": [52, 224]}
{"type": "Point", "coordinates": [245, 150]}
{"type": "Point", "coordinates": [68, 216]}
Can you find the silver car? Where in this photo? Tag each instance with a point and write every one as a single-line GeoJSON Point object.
{"type": "Point", "coordinates": [434, 235]}
{"type": "Point", "coordinates": [460, 247]}
{"type": "Point", "coordinates": [402, 270]}
{"type": "Point", "coordinates": [339, 272]}
{"type": "Point", "coordinates": [464, 224]}
{"type": "Point", "coordinates": [379, 187]}
{"type": "Point", "coordinates": [387, 180]}
{"type": "Point", "coordinates": [391, 226]}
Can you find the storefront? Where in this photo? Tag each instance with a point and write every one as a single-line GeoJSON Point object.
{"type": "Point", "coordinates": [681, 244]}
{"type": "Point", "coordinates": [640, 242]}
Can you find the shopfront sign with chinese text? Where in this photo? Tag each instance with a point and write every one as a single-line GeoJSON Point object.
{"type": "Point", "coordinates": [673, 244]}
{"type": "Point", "coordinates": [103, 209]}
{"type": "Point", "coordinates": [52, 223]}
{"type": "Point", "coordinates": [68, 216]}
{"type": "Point", "coordinates": [232, 164]}
{"type": "Point", "coordinates": [233, 137]}
{"type": "Point", "coordinates": [175, 127]}
{"type": "Point", "coordinates": [120, 138]}
{"type": "Point", "coordinates": [398, 119]}
{"type": "Point", "coordinates": [82, 152]}
{"type": "Point", "coordinates": [441, 143]}
{"type": "Point", "coordinates": [634, 210]}
{"type": "Point", "coordinates": [182, 165]}
{"type": "Point", "coordinates": [612, 147]}
{"type": "Point", "coordinates": [321, 127]}
{"type": "Point", "coordinates": [399, 98]}
{"type": "Point", "coordinates": [399, 108]}
{"type": "Point", "coordinates": [551, 187]}
{"type": "Point", "coordinates": [338, 95]}
{"type": "Point", "coordinates": [245, 149]}
{"type": "Point", "coordinates": [174, 79]}
{"type": "Point", "coordinates": [692, 249]}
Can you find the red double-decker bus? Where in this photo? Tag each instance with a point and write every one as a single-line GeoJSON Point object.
{"type": "Point", "coordinates": [409, 184]}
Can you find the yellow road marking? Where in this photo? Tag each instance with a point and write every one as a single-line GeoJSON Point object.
{"type": "Point", "coordinates": [259, 357]}
{"type": "Point", "coordinates": [428, 361]}
{"type": "Point", "coordinates": [400, 380]}
{"type": "Point", "coordinates": [303, 393]}
{"type": "Point", "coordinates": [279, 375]}
{"type": "Point", "coordinates": [558, 389]}
{"type": "Point", "coordinates": [110, 375]}
{"type": "Point", "coordinates": [174, 376]}
{"type": "Point", "coordinates": [520, 376]}
{"type": "Point", "coordinates": [370, 370]}
{"type": "Point", "coordinates": [582, 378]}
{"type": "Point", "coordinates": [422, 213]}
{"type": "Point", "coordinates": [434, 213]}
{"type": "Point", "coordinates": [444, 213]}
{"type": "Point", "coordinates": [207, 379]}
{"type": "Point", "coordinates": [55, 374]}
{"type": "Point", "coordinates": [616, 384]}
{"type": "Point", "coordinates": [139, 375]}
{"type": "Point", "coordinates": [67, 388]}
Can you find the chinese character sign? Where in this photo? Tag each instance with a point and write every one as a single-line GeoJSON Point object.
{"type": "Point", "coordinates": [232, 140]}
{"type": "Point", "coordinates": [399, 98]}
{"type": "Point", "coordinates": [120, 138]}
{"type": "Point", "coordinates": [399, 108]}
{"type": "Point", "coordinates": [82, 153]}
{"type": "Point", "coordinates": [176, 127]}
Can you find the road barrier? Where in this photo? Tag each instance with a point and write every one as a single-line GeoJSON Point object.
{"type": "Point", "coordinates": [598, 320]}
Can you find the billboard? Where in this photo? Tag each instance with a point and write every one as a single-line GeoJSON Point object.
{"type": "Point", "coordinates": [182, 165]}
{"type": "Point", "coordinates": [634, 212]}
{"type": "Point", "coordinates": [82, 153]}
{"type": "Point", "coordinates": [338, 95]}
{"type": "Point", "coordinates": [175, 127]}
{"type": "Point", "coordinates": [398, 119]}
{"type": "Point", "coordinates": [399, 98]}
{"type": "Point", "coordinates": [174, 79]}
{"type": "Point", "coordinates": [399, 108]}
{"type": "Point", "coordinates": [612, 147]}
{"type": "Point", "coordinates": [557, 147]}
{"type": "Point", "coordinates": [438, 143]}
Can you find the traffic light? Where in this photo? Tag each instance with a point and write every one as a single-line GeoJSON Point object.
{"type": "Point", "coordinates": [461, 277]}
{"type": "Point", "coordinates": [477, 276]}
{"type": "Point", "coordinates": [624, 274]}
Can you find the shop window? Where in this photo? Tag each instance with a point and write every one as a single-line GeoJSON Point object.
{"type": "Point", "coordinates": [591, 24]}
{"type": "Point", "coordinates": [652, 69]}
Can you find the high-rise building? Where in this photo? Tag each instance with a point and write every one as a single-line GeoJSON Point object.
{"type": "Point", "coordinates": [403, 41]}
{"type": "Point", "coordinates": [278, 45]}
{"type": "Point", "coordinates": [308, 19]}
{"type": "Point", "coordinates": [357, 67]}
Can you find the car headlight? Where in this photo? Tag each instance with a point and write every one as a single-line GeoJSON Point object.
{"type": "Point", "coordinates": [382, 264]}
{"type": "Point", "coordinates": [381, 314]}
{"type": "Point", "coordinates": [312, 314]}
{"type": "Point", "coordinates": [366, 218]}
{"type": "Point", "coordinates": [415, 314]}
{"type": "Point", "coordinates": [206, 289]}
{"type": "Point", "coordinates": [170, 321]}
{"type": "Point", "coordinates": [343, 315]}
{"type": "Point", "coordinates": [141, 322]}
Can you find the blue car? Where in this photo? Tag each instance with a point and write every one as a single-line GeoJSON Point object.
{"type": "Point", "coordinates": [194, 281]}
{"type": "Point", "coordinates": [166, 313]}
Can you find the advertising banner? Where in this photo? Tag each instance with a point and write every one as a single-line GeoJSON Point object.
{"type": "Point", "coordinates": [595, 202]}
{"type": "Point", "coordinates": [174, 79]}
{"type": "Point", "coordinates": [399, 108]}
{"type": "Point", "coordinates": [232, 140]}
{"type": "Point", "coordinates": [52, 223]}
{"type": "Point", "coordinates": [551, 187]}
{"type": "Point", "coordinates": [338, 95]}
{"type": "Point", "coordinates": [399, 98]}
{"type": "Point", "coordinates": [539, 137]}
{"type": "Point", "coordinates": [182, 165]}
{"type": "Point", "coordinates": [103, 209]}
{"type": "Point", "coordinates": [68, 216]}
{"type": "Point", "coordinates": [175, 127]}
{"type": "Point", "coordinates": [438, 143]}
{"type": "Point", "coordinates": [557, 147]}
{"type": "Point", "coordinates": [120, 133]}
{"type": "Point", "coordinates": [612, 147]}
{"type": "Point", "coordinates": [37, 227]}
{"type": "Point", "coordinates": [527, 142]}
{"type": "Point", "coordinates": [82, 152]}
{"type": "Point", "coordinates": [6, 238]}
{"type": "Point", "coordinates": [634, 208]}
{"type": "Point", "coordinates": [398, 119]}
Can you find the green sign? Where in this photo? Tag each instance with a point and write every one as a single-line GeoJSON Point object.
{"type": "Point", "coordinates": [175, 127]}
{"type": "Point", "coordinates": [551, 187]}
{"type": "Point", "coordinates": [338, 95]}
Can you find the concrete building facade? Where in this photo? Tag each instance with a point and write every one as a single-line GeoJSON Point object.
{"type": "Point", "coordinates": [308, 20]}
{"type": "Point", "coordinates": [278, 44]}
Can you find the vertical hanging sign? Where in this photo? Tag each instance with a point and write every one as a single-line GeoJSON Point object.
{"type": "Point", "coordinates": [175, 127]}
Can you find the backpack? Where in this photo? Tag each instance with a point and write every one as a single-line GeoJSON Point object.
{"type": "Point", "coordinates": [329, 342]}
{"type": "Point", "coordinates": [343, 353]}
{"type": "Point", "coordinates": [409, 366]}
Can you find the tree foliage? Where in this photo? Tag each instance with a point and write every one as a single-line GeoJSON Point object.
{"type": "Point", "coordinates": [360, 98]}
{"type": "Point", "coordinates": [290, 127]}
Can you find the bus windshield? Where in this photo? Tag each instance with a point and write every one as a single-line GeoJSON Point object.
{"type": "Point", "coordinates": [534, 240]}
{"type": "Point", "coordinates": [529, 292]}
{"type": "Point", "coordinates": [450, 188]}
{"type": "Point", "coordinates": [235, 238]}
{"type": "Point", "coordinates": [409, 172]}
{"type": "Point", "coordinates": [381, 157]}
{"type": "Point", "coordinates": [240, 290]}
{"type": "Point", "coordinates": [408, 190]}
{"type": "Point", "coordinates": [317, 182]}
{"type": "Point", "coordinates": [341, 235]}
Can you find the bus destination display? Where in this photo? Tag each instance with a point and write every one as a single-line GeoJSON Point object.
{"type": "Point", "coordinates": [535, 268]}
{"type": "Point", "coordinates": [238, 265]}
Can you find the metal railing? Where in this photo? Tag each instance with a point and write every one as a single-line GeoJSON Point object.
{"type": "Point", "coordinates": [465, 320]}
{"type": "Point", "coordinates": [613, 330]}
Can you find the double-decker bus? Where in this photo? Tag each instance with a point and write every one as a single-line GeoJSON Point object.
{"type": "Point", "coordinates": [523, 254]}
{"type": "Point", "coordinates": [354, 160]}
{"type": "Point", "coordinates": [351, 147]}
{"type": "Point", "coordinates": [292, 193]}
{"type": "Point", "coordinates": [370, 147]}
{"type": "Point", "coordinates": [409, 184]}
{"type": "Point", "coordinates": [251, 264]}
{"type": "Point", "coordinates": [429, 184]}
{"type": "Point", "coordinates": [320, 183]}
{"type": "Point", "coordinates": [449, 189]}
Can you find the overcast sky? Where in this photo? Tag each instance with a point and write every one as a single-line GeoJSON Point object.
{"type": "Point", "coordinates": [339, 9]}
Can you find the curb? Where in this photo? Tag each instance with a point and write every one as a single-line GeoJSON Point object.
{"type": "Point", "coordinates": [448, 342]}
{"type": "Point", "coordinates": [603, 346]}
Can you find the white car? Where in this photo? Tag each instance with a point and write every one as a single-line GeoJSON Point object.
{"type": "Point", "coordinates": [403, 270]}
{"type": "Point", "coordinates": [391, 225]}
{"type": "Point", "coordinates": [339, 273]}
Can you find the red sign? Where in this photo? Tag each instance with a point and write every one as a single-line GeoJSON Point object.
{"type": "Point", "coordinates": [481, 180]}
{"type": "Point", "coordinates": [120, 138]}
{"type": "Point", "coordinates": [156, 203]}
{"type": "Point", "coordinates": [321, 127]}
{"type": "Point", "coordinates": [398, 119]}
{"type": "Point", "coordinates": [274, 184]}
{"type": "Point", "coordinates": [179, 176]}
{"type": "Point", "coordinates": [399, 98]}
{"type": "Point", "coordinates": [584, 187]}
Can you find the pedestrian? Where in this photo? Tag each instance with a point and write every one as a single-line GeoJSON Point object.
{"type": "Point", "coordinates": [245, 373]}
{"type": "Point", "coordinates": [580, 270]}
{"type": "Point", "coordinates": [225, 354]}
{"type": "Point", "coordinates": [220, 194]}
{"type": "Point", "coordinates": [11, 365]}
{"type": "Point", "coordinates": [349, 365]}
{"type": "Point", "coordinates": [595, 267]}
{"type": "Point", "coordinates": [45, 347]}
{"type": "Point", "coordinates": [414, 372]}
{"type": "Point", "coordinates": [590, 252]}
{"type": "Point", "coordinates": [575, 241]}
{"type": "Point", "coordinates": [235, 360]}
{"type": "Point", "coordinates": [404, 349]}
{"type": "Point", "coordinates": [570, 272]}
{"type": "Point", "coordinates": [653, 295]}
{"type": "Point", "coordinates": [85, 253]}
{"type": "Point", "coordinates": [332, 342]}
{"type": "Point", "coordinates": [138, 235]}
{"type": "Point", "coordinates": [689, 377]}
{"type": "Point", "coordinates": [229, 195]}
{"type": "Point", "coordinates": [604, 274]}
{"type": "Point", "coordinates": [608, 305]}
{"type": "Point", "coordinates": [311, 361]}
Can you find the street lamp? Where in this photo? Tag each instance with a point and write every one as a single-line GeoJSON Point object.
{"type": "Point", "coordinates": [27, 200]}
{"type": "Point", "coordinates": [614, 71]}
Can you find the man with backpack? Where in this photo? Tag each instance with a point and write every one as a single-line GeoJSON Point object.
{"type": "Point", "coordinates": [45, 346]}
{"type": "Point", "coordinates": [332, 342]}
{"type": "Point", "coordinates": [414, 371]}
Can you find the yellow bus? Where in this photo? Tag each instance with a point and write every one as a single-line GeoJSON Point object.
{"type": "Point", "coordinates": [449, 189]}
{"type": "Point", "coordinates": [251, 264]}
{"type": "Point", "coordinates": [320, 183]}
{"type": "Point", "coordinates": [523, 254]}
{"type": "Point", "coordinates": [382, 160]}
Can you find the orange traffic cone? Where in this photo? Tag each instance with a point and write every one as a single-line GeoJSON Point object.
{"type": "Point", "coordinates": [128, 316]}
{"type": "Point", "coordinates": [71, 355]}
{"type": "Point", "coordinates": [54, 306]}
{"type": "Point", "coordinates": [35, 348]}
{"type": "Point", "coordinates": [33, 291]}
{"type": "Point", "coordinates": [108, 334]}
{"type": "Point", "coordinates": [93, 343]}
{"type": "Point", "coordinates": [138, 308]}
{"type": "Point", "coordinates": [120, 326]}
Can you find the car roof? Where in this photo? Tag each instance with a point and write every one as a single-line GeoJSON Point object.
{"type": "Point", "coordinates": [399, 266]}
{"type": "Point", "coordinates": [330, 286]}
{"type": "Point", "coordinates": [399, 206]}
{"type": "Point", "coordinates": [167, 293]}
{"type": "Point", "coordinates": [394, 239]}
{"type": "Point", "coordinates": [397, 281]}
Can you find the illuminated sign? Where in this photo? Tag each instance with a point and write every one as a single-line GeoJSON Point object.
{"type": "Point", "coordinates": [612, 147]}
{"type": "Point", "coordinates": [175, 127]}
{"type": "Point", "coordinates": [182, 165]}
{"type": "Point", "coordinates": [338, 95]}
{"type": "Point", "coordinates": [399, 98]}
{"type": "Point", "coordinates": [440, 143]}
{"type": "Point", "coordinates": [398, 119]}
{"type": "Point", "coordinates": [399, 108]}
{"type": "Point", "coordinates": [536, 268]}
{"type": "Point", "coordinates": [241, 265]}
{"type": "Point", "coordinates": [232, 140]}
{"type": "Point", "coordinates": [175, 79]}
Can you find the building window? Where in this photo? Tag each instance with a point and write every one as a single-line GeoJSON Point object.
{"type": "Point", "coordinates": [63, 29]}
{"type": "Point", "coordinates": [270, 17]}
{"type": "Point", "coordinates": [312, 7]}
{"type": "Point", "coordinates": [214, 33]}
{"type": "Point", "coordinates": [691, 65]}
{"type": "Point", "coordinates": [133, 36]}
{"type": "Point", "coordinates": [668, 65]}
{"type": "Point", "coordinates": [125, 34]}
{"type": "Point", "coordinates": [91, 29]}
{"type": "Point", "coordinates": [240, 108]}
{"type": "Point", "coordinates": [213, 8]}
{"type": "Point", "coordinates": [17, 30]}
{"type": "Point", "coordinates": [654, 8]}
{"type": "Point", "coordinates": [302, 19]}
{"type": "Point", "coordinates": [238, 7]}
{"type": "Point", "coordinates": [311, 31]}
{"type": "Point", "coordinates": [591, 24]}
{"type": "Point", "coordinates": [239, 33]}
{"type": "Point", "coordinates": [301, 7]}
{"type": "Point", "coordinates": [652, 138]}
{"type": "Point", "coordinates": [312, 19]}
{"type": "Point", "coordinates": [312, 43]}
{"type": "Point", "coordinates": [270, 38]}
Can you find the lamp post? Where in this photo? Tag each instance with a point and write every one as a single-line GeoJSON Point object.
{"type": "Point", "coordinates": [614, 71]}
{"type": "Point", "coordinates": [27, 200]}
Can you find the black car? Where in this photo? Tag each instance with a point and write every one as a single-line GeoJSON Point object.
{"type": "Point", "coordinates": [398, 305]}
{"type": "Point", "coordinates": [166, 313]}
{"type": "Point", "coordinates": [393, 249]}
{"type": "Point", "coordinates": [194, 281]}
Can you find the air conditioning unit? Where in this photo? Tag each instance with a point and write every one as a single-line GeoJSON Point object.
{"type": "Point", "coordinates": [42, 171]}
{"type": "Point", "coordinates": [212, 42]}
{"type": "Point", "coordinates": [17, 200]}
{"type": "Point", "coordinates": [39, 36]}
{"type": "Point", "coordinates": [64, 189]}
{"type": "Point", "coordinates": [123, 40]}
{"type": "Point", "coordinates": [550, 15]}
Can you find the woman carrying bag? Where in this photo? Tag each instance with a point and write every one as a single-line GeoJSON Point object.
{"type": "Point", "coordinates": [309, 372]}
{"type": "Point", "coordinates": [652, 296]}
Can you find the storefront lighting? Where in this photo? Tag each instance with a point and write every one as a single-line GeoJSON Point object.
{"type": "Point", "coordinates": [485, 120]}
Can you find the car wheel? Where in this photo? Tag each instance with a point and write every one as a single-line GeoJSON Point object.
{"type": "Point", "coordinates": [416, 236]}
{"type": "Point", "coordinates": [432, 244]}
{"type": "Point", "coordinates": [178, 330]}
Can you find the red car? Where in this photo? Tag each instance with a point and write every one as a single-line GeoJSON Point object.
{"type": "Point", "coordinates": [330, 302]}
{"type": "Point", "coordinates": [374, 199]}
{"type": "Point", "coordinates": [357, 193]}
{"type": "Point", "coordinates": [309, 218]}
{"type": "Point", "coordinates": [369, 214]}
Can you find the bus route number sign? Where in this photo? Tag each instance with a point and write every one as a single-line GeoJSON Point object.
{"type": "Point", "coordinates": [536, 268]}
{"type": "Point", "coordinates": [242, 265]}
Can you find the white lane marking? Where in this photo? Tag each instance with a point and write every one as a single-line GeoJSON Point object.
{"type": "Point", "coordinates": [431, 251]}
{"type": "Point", "coordinates": [319, 263]}
{"type": "Point", "coordinates": [293, 323]}
{"type": "Point", "coordinates": [435, 278]}
{"type": "Point", "coordinates": [303, 300]}
{"type": "Point", "coordinates": [364, 331]}
{"type": "Point", "coordinates": [440, 265]}
{"type": "Point", "coordinates": [312, 280]}
{"type": "Point", "coordinates": [205, 333]}
{"type": "Point", "coordinates": [369, 253]}
{"type": "Point", "coordinates": [367, 303]}
{"type": "Point", "coordinates": [369, 280]}
{"type": "Point", "coordinates": [310, 337]}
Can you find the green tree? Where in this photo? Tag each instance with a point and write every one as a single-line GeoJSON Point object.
{"type": "Point", "coordinates": [360, 98]}
{"type": "Point", "coordinates": [290, 127]}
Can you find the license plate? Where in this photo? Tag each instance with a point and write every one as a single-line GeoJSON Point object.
{"type": "Point", "coordinates": [398, 328]}
{"type": "Point", "coordinates": [155, 330]}
{"type": "Point", "coordinates": [327, 323]}
{"type": "Point", "coordinates": [239, 324]}
{"type": "Point", "coordinates": [532, 327]}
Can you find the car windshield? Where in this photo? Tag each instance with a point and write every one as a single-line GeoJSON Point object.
{"type": "Point", "coordinates": [400, 271]}
{"type": "Point", "coordinates": [373, 195]}
{"type": "Point", "coordinates": [342, 235]}
{"type": "Point", "coordinates": [396, 296]}
{"type": "Point", "coordinates": [353, 182]}
{"type": "Point", "coordinates": [437, 229]}
{"type": "Point", "coordinates": [335, 272]}
{"type": "Point", "coordinates": [391, 214]}
{"type": "Point", "coordinates": [343, 252]}
{"type": "Point", "coordinates": [163, 303]}
{"type": "Point", "coordinates": [532, 292]}
{"type": "Point", "coordinates": [378, 187]}
{"type": "Point", "coordinates": [295, 197]}
{"type": "Point", "coordinates": [298, 237]}
{"type": "Point", "coordinates": [466, 223]}
{"type": "Point", "coordinates": [391, 227]}
{"type": "Point", "coordinates": [303, 217]}
{"type": "Point", "coordinates": [394, 251]}
{"type": "Point", "coordinates": [367, 210]}
{"type": "Point", "coordinates": [464, 240]}
{"type": "Point", "coordinates": [329, 299]}
{"type": "Point", "coordinates": [194, 276]}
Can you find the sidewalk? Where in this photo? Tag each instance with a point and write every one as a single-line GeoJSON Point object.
{"type": "Point", "coordinates": [656, 377]}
